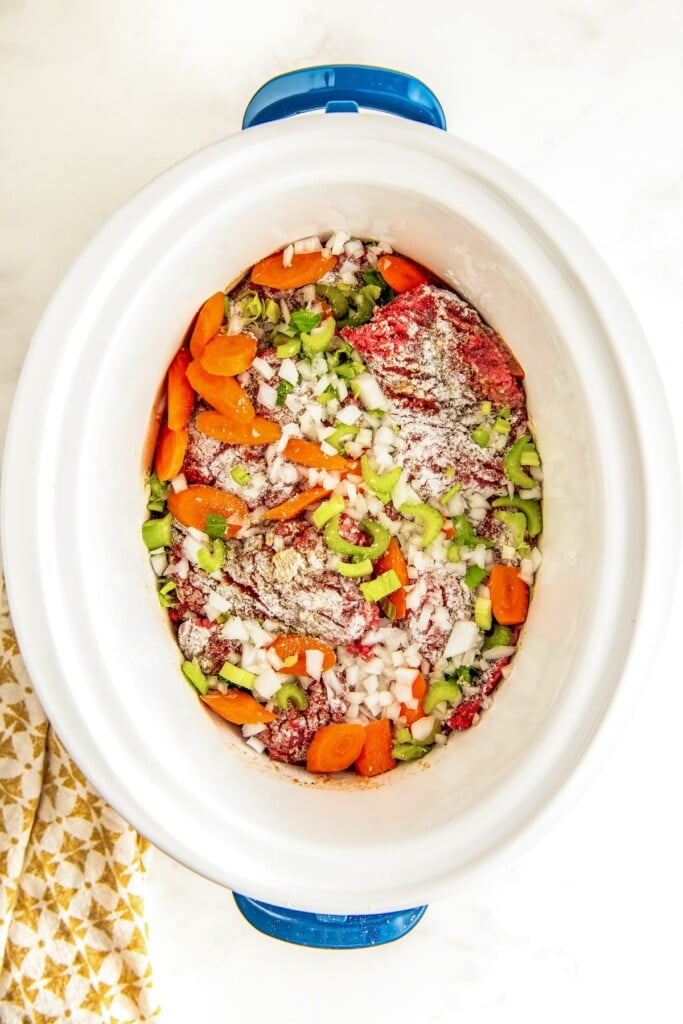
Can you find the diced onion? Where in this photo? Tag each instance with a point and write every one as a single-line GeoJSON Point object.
{"type": "Point", "coordinates": [369, 392]}
{"type": "Point", "coordinates": [464, 635]}
{"type": "Point", "coordinates": [310, 244]}
{"type": "Point", "coordinates": [159, 562]}
{"type": "Point", "coordinates": [349, 414]}
{"type": "Point", "coordinates": [263, 367]}
{"type": "Point", "coordinates": [267, 683]}
{"type": "Point", "coordinates": [496, 653]}
{"type": "Point", "coordinates": [267, 395]}
{"type": "Point", "coordinates": [235, 629]}
{"type": "Point", "coordinates": [253, 729]}
{"type": "Point", "coordinates": [314, 663]}
{"type": "Point", "coordinates": [258, 745]}
{"type": "Point", "coordinates": [179, 483]}
{"type": "Point", "coordinates": [423, 728]}
{"type": "Point", "coordinates": [287, 256]}
{"type": "Point", "coordinates": [288, 371]}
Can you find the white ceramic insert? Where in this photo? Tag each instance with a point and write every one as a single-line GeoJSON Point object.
{"type": "Point", "coordinates": [83, 595]}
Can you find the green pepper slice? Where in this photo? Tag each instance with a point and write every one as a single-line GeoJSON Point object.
{"type": "Point", "coordinates": [379, 535]}
{"type": "Point", "coordinates": [531, 509]}
{"type": "Point", "coordinates": [431, 517]}
{"type": "Point", "coordinates": [441, 691]}
{"type": "Point", "coordinates": [512, 463]}
{"type": "Point", "coordinates": [291, 692]}
{"type": "Point", "coordinates": [335, 299]}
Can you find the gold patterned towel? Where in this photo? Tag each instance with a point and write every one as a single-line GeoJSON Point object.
{"type": "Point", "coordinates": [73, 939]}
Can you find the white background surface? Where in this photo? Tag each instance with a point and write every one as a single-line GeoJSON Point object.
{"type": "Point", "coordinates": [584, 98]}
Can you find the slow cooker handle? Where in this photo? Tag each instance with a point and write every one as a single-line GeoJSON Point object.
{"type": "Point", "coordinates": [343, 88]}
{"type": "Point", "coordinates": [328, 931]}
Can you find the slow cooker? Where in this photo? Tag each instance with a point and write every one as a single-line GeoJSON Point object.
{"type": "Point", "coordinates": [329, 861]}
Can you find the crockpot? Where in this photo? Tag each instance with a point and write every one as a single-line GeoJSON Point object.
{"type": "Point", "coordinates": [345, 853]}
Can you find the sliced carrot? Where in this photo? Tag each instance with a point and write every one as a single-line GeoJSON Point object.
{"type": "Point", "coordinates": [335, 747]}
{"type": "Point", "coordinates": [448, 529]}
{"type": "Point", "coordinates": [257, 431]}
{"type": "Point", "coordinates": [400, 274]}
{"type": "Point", "coordinates": [291, 645]}
{"type": "Point", "coordinates": [228, 354]}
{"type": "Point", "coordinates": [307, 453]}
{"type": "Point", "coordinates": [223, 393]}
{"type": "Point", "coordinates": [191, 506]}
{"type": "Point", "coordinates": [305, 268]}
{"type": "Point", "coordinates": [419, 690]}
{"type": "Point", "coordinates": [237, 707]}
{"type": "Point", "coordinates": [509, 595]}
{"type": "Point", "coordinates": [180, 391]}
{"type": "Point", "coordinates": [393, 559]}
{"type": "Point", "coordinates": [171, 448]}
{"type": "Point", "coordinates": [375, 757]}
{"type": "Point", "coordinates": [291, 508]}
{"type": "Point", "coordinates": [209, 319]}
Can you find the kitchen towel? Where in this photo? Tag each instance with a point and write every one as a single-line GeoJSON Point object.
{"type": "Point", "coordinates": [73, 938]}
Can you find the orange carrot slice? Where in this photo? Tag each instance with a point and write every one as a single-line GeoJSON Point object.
{"type": "Point", "coordinates": [375, 757]}
{"type": "Point", "coordinates": [209, 319]}
{"type": "Point", "coordinates": [393, 559]}
{"type": "Point", "coordinates": [237, 707]}
{"type": "Point", "coordinates": [291, 508]}
{"type": "Point", "coordinates": [171, 448]}
{"type": "Point", "coordinates": [223, 393]}
{"type": "Point", "coordinates": [180, 391]}
{"type": "Point", "coordinates": [419, 690]}
{"type": "Point", "coordinates": [307, 453]}
{"type": "Point", "coordinates": [228, 354]}
{"type": "Point", "coordinates": [291, 645]}
{"type": "Point", "coordinates": [257, 431]}
{"type": "Point", "coordinates": [509, 595]}
{"type": "Point", "coordinates": [335, 747]}
{"type": "Point", "coordinates": [191, 506]}
{"type": "Point", "coordinates": [305, 268]}
{"type": "Point", "coordinates": [400, 274]}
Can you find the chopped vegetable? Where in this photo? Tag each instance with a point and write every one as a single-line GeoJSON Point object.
{"type": "Point", "coordinates": [386, 294]}
{"type": "Point", "coordinates": [284, 389]}
{"type": "Point", "coordinates": [215, 526]}
{"type": "Point", "coordinates": [327, 510]}
{"type": "Point", "coordinates": [291, 508]}
{"type": "Point", "coordinates": [237, 676]}
{"type": "Point", "coordinates": [179, 391]}
{"type": "Point", "coordinates": [291, 692]}
{"type": "Point", "coordinates": [191, 506]}
{"type": "Point", "coordinates": [237, 707]}
{"type": "Point", "coordinates": [474, 576]}
{"type": "Point", "coordinates": [353, 570]}
{"type": "Point", "coordinates": [208, 322]}
{"type": "Point", "coordinates": [482, 612]}
{"type": "Point", "coordinates": [465, 535]}
{"type": "Point", "coordinates": [485, 408]}
{"type": "Point", "coordinates": [335, 299]}
{"type": "Point", "coordinates": [287, 349]}
{"type": "Point", "coordinates": [305, 268]}
{"type": "Point", "coordinates": [363, 303]}
{"type": "Point", "coordinates": [516, 526]}
{"type": "Point", "coordinates": [229, 431]}
{"type": "Point", "coordinates": [413, 715]}
{"type": "Point", "coordinates": [499, 636]}
{"type": "Point", "coordinates": [408, 751]}
{"type": "Point", "coordinates": [512, 463]}
{"type": "Point", "coordinates": [509, 595]}
{"type": "Point", "coordinates": [531, 509]}
{"type": "Point", "coordinates": [530, 457]}
{"type": "Point", "coordinates": [307, 453]}
{"type": "Point", "coordinates": [400, 274]}
{"type": "Point", "coordinates": [304, 320]}
{"type": "Point", "coordinates": [450, 493]}
{"type": "Point", "coordinates": [393, 559]}
{"type": "Point", "coordinates": [223, 393]}
{"type": "Point", "coordinates": [240, 476]}
{"type": "Point", "coordinates": [226, 355]}
{"type": "Point", "coordinates": [481, 436]}
{"type": "Point", "coordinates": [341, 431]}
{"type": "Point", "coordinates": [318, 340]}
{"type": "Point", "coordinates": [156, 533]}
{"type": "Point", "coordinates": [272, 311]}
{"type": "Point", "coordinates": [380, 538]}
{"type": "Point", "coordinates": [195, 675]}
{"type": "Point", "coordinates": [444, 690]}
{"type": "Point", "coordinates": [335, 747]}
{"type": "Point", "coordinates": [376, 757]}
{"type": "Point", "coordinates": [431, 518]}
{"type": "Point", "coordinates": [294, 646]}
{"type": "Point", "coordinates": [453, 552]}
{"type": "Point", "coordinates": [165, 594]}
{"type": "Point", "coordinates": [251, 306]}
{"type": "Point", "coordinates": [171, 448]}
{"type": "Point", "coordinates": [212, 561]}
{"type": "Point", "coordinates": [381, 586]}
{"type": "Point", "coordinates": [381, 484]}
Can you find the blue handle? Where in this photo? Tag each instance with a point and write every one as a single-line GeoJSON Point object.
{"type": "Point", "coordinates": [328, 931]}
{"type": "Point", "coordinates": [341, 88]}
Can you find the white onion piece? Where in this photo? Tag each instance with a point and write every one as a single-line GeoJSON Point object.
{"type": "Point", "coordinates": [267, 395]}
{"type": "Point", "coordinates": [288, 371]}
{"type": "Point", "coordinates": [314, 663]}
{"type": "Point", "coordinates": [406, 676]}
{"type": "Point", "coordinates": [496, 653]}
{"type": "Point", "coordinates": [179, 483]}
{"type": "Point", "coordinates": [159, 562]}
{"type": "Point", "coordinates": [369, 392]}
{"type": "Point", "coordinates": [310, 244]}
{"type": "Point", "coordinates": [267, 683]}
{"type": "Point", "coordinates": [349, 414]}
{"type": "Point", "coordinates": [464, 635]}
{"type": "Point", "coordinates": [235, 629]}
{"type": "Point", "coordinates": [252, 729]}
{"type": "Point", "coordinates": [403, 493]}
{"type": "Point", "coordinates": [287, 256]}
{"type": "Point", "coordinates": [257, 744]}
{"type": "Point", "coordinates": [423, 728]}
{"type": "Point", "coordinates": [336, 242]}
{"type": "Point", "coordinates": [263, 367]}
{"type": "Point", "coordinates": [217, 603]}
{"type": "Point", "coordinates": [190, 549]}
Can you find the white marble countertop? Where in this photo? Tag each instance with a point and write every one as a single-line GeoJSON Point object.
{"type": "Point", "coordinates": [584, 98]}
